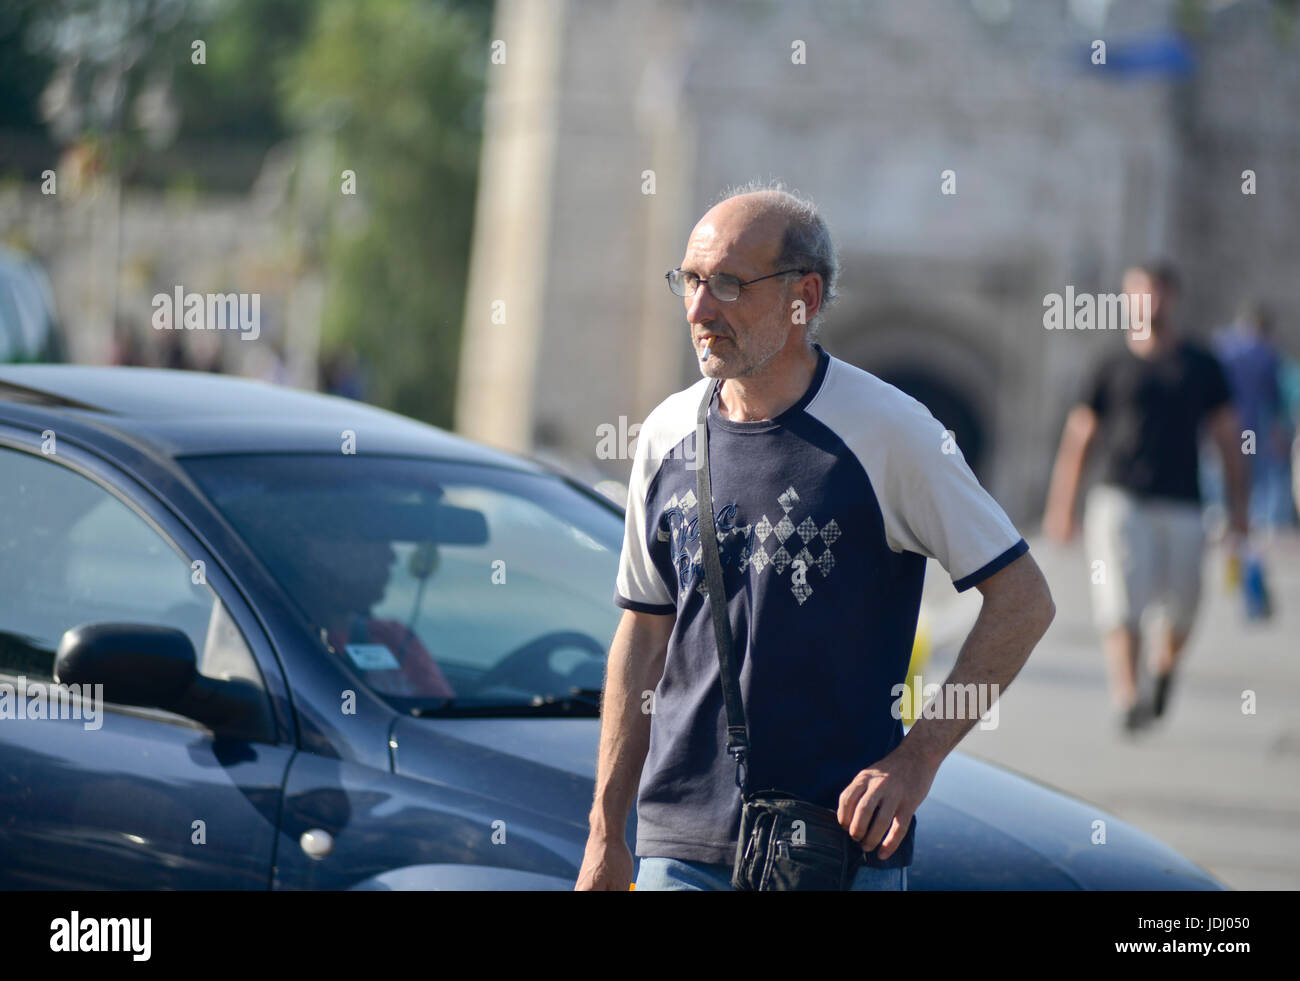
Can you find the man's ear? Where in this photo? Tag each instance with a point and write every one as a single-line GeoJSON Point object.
{"type": "Point", "coordinates": [810, 291]}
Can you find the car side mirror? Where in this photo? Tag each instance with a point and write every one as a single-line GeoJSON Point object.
{"type": "Point", "coordinates": [156, 667]}
{"type": "Point", "coordinates": [138, 664]}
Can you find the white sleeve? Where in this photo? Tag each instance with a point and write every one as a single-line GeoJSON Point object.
{"type": "Point", "coordinates": [640, 586]}
{"type": "Point", "coordinates": [933, 504]}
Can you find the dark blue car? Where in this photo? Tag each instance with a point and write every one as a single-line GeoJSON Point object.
{"type": "Point", "coordinates": [341, 649]}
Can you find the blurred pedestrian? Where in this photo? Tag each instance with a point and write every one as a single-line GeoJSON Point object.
{"type": "Point", "coordinates": [171, 352]}
{"type": "Point", "coordinates": [1253, 365]}
{"type": "Point", "coordinates": [1291, 400]}
{"type": "Point", "coordinates": [1145, 406]}
{"type": "Point", "coordinates": [126, 348]}
{"type": "Point", "coordinates": [341, 374]}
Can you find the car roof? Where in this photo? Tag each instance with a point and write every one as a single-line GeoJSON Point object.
{"type": "Point", "coordinates": [193, 413]}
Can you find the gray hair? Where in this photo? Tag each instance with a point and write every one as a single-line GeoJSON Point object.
{"type": "Point", "coordinates": [806, 242]}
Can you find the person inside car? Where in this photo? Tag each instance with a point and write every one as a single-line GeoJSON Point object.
{"type": "Point", "coordinates": [343, 580]}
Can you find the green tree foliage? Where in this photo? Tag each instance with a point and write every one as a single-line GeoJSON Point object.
{"type": "Point", "coordinates": [250, 44]}
{"type": "Point", "coordinates": [225, 109]}
{"type": "Point", "coordinates": [397, 84]}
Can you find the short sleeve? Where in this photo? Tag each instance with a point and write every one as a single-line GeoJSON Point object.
{"type": "Point", "coordinates": [639, 585]}
{"type": "Point", "coordinates": [933, 504]}
{"type": "Point", "coordinates": [1093, 391]}
{"type": "Point", "coordinates": [1216, 389]}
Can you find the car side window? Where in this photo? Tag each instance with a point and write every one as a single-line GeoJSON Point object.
{"type": "Point", "coordinates": [72, 553]}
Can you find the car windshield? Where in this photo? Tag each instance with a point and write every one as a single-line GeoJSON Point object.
{"type": "Point", "coordinates": [449, 588]}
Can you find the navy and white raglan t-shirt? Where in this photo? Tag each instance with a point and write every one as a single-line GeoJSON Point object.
{"type": "Point", "coordinates": [825, 517]}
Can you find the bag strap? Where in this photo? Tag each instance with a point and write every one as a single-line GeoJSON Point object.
{"type": "Point", "coordinates": [737, 733]}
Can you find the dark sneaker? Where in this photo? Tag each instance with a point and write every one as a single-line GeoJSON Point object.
{"type": "Point", "coordinates": [1160, 697]}
{"type": "Point", "coordinates": [1134, 717]}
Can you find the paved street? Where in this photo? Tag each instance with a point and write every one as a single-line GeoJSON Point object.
{"type": "Point", "coordinates": [1220, 786]}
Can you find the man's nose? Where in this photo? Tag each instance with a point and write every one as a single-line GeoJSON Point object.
{"type": "Point", "coordinates": [702, 305]}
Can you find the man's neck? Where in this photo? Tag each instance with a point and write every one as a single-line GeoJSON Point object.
{"type": "Point", "coordinates": [1162, 340]}
{"type": "Point", "coordinates": [781, 384]}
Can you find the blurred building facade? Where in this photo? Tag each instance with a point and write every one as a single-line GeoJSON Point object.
{"type": "Point", "coordinates": [109, 252]}
{"type": "Point", "coordinates": [1065, 171]}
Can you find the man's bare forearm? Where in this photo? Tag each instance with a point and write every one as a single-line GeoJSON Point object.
{"type": "Point", "coordinates": [1067, 471]}
{"type": "Point", "coordinates": [1237, 485]}
{"type": "Point", "coordinates": [636, 663]}
{"type": "Point", "coordinates": [1016, 612]}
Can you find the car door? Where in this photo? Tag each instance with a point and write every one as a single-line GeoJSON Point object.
{"type": "Point", "coordinates": [128, 797]}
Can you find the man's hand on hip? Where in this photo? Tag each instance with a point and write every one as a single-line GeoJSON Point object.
{"type": "Point", "coordinates": [891, 790]}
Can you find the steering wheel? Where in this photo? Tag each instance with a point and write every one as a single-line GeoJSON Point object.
{"type": "Point", "coordinates": [528, 666]}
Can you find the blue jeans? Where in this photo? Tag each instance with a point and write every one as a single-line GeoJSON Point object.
{"type": "Point", "coordinates": [673, 873]}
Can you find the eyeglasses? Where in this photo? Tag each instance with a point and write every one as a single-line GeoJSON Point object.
{"type": "Point", "coordinates": [723, 286]}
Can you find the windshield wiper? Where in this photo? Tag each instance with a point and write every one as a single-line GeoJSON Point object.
{"type": "Point", "coordinates": [580, 703]}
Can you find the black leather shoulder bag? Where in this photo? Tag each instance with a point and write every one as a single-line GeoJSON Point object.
{"type": "Point", "coordinates": [784, 843]}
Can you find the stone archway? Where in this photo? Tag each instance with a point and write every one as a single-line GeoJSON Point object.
{"type": "Point", "coordinates": [943, 370]}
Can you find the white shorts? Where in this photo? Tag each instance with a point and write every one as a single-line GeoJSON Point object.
{"type": "Point", "coordinates": [1142, 553]}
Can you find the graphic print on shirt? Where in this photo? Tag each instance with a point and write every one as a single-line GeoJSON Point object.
{"type": "Point", "coordinates": [795, 542]}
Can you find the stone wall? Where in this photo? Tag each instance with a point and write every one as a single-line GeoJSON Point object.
{"type": "Point", "coordinates": [1065, 172]}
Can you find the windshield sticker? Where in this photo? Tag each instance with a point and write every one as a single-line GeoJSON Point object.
{"type": "Point", "coordinates": [372, 657]}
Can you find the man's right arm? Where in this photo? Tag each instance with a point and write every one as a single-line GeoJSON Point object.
{"type": "Point", "coordinates": [1080, 430]}
{"type": "Point", "coordinates": [636, 663]}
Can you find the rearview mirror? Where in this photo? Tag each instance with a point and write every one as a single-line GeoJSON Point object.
{"type": "Point", "coordinates": [459, 526]}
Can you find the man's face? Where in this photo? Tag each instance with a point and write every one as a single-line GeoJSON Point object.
{"type": "Point", "coordinates": [743, 334]}
{"type": "Point", "coordinates": [343, 577]}
{"type": "Point", "coordinates": [1141, 288]}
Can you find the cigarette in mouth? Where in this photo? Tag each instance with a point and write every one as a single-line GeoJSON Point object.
{"type": "Point", "coordinates": [704, 356]}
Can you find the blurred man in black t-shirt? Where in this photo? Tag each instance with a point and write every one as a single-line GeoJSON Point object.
{"type": "Point", "coordinates": [1145, 407]}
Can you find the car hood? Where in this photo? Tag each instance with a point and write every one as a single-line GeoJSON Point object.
{"type": "Point", "coordinates": [981, 827]}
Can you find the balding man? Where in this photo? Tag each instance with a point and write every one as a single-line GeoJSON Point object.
{"type": "Point", "coordinates": [830, 490]}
